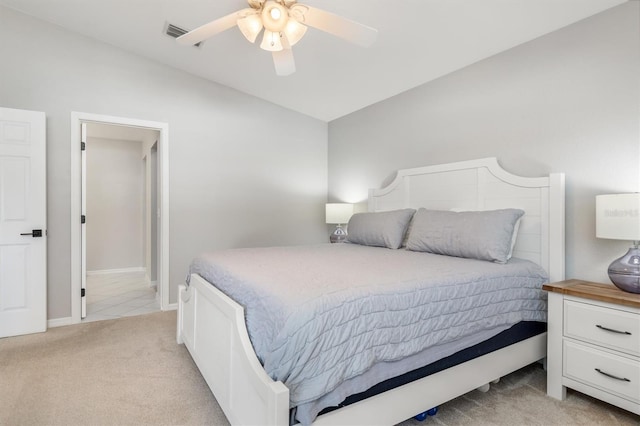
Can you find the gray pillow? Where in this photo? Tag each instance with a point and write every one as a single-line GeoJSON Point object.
{"type": "Point", "coordinates": [379, 229]}
{"type": "Point", "coordinates": [483, 235]}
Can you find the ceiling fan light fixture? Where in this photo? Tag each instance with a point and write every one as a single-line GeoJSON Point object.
{"type": "Point", "coordinates": [294, 31]}
{"type": "Point", "coordinates": [274, 16]}
{"type": "Point", "coordinates": [271, 41]}
{"type": "Point", "coordinates": [250, 26]}
{"type": "Point", "coordinates": [275, 13]}
{"type": "Point", "coordinates": [285, 23]}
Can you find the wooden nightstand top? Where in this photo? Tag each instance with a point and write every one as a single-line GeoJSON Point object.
{"type": "Point", "coordinates": [595, 291]}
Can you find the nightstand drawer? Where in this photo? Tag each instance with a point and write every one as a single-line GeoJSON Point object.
{"type": "Point", "coordinates": [614, 374]}
{"type": "Point", "coordinates": [612, 328]}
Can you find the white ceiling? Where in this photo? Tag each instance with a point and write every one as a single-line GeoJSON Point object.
{"type": "Point", "coordinates": [418, 41]}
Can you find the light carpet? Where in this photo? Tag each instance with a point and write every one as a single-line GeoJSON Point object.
{"type": "Point", "coordinates": [130, 371]}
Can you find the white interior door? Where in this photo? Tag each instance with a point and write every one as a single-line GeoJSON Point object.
{"type": "Point", "coordinates": [23, 222]}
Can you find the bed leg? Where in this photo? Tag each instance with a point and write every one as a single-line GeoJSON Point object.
{"type": "Point", "coordinates": [179, 325]}
{"type": "Point", "coordinates": [484, 388]}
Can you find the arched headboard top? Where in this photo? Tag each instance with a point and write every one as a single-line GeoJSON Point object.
{"type": "Point", "coordinates": [484, 185]}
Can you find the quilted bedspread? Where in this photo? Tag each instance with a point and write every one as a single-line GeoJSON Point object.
{"type": "Point", "coordinates": [321, 315]}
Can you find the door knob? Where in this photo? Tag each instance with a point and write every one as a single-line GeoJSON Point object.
{"type": "Point", "coordinates": [35, 233]}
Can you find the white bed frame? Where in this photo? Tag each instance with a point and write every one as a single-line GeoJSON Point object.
{"type": "Point", "coordinates": [212, 326]}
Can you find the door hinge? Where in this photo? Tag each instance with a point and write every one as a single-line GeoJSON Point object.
{"type": "Point", "coordinates": [83, 292]}
{"type": "Point", "coordinates": [82, 146]}
{"type": "Point", "coordinates": [83, 219]}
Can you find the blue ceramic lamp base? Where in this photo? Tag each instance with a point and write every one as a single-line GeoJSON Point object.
{"type": "Point", "coordinates": [625, 271]}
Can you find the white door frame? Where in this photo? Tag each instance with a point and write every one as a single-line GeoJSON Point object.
{"type": "Point", "coordinates": [76, 207]}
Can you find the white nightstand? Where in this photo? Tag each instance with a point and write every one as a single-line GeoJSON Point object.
{"type": "Point", "coordinates": [594, 342]}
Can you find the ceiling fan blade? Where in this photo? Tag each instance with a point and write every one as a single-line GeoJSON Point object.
{"type": "Point", "coordinates": [339, 26]}
{"type": "Point", "coordinates": [205, 31]}
{"type": "Point", "coordinates": [283, 59]}
{"type": "Point", "coordinates": [284, 63]}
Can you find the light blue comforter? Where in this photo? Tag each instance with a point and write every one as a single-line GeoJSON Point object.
{"type": "Point", "coordinates": [322, 315]}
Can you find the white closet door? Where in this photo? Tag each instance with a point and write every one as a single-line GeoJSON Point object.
{"type": "Point", "coordinates": [23, 222]}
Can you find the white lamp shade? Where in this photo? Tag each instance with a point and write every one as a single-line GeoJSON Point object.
{"type": "Point", "coordinates": [338, 213]}
{"type": "Point", "coordinates": [294, 31]}
{"type": "Point", "coordinates": [250, 26]}
{"type": "Point", "coordinates": [271, 41]}
{"type": "Point", "coordinates": [618, 216]}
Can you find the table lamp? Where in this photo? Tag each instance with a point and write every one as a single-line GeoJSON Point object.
{"type": "Point", "coordinates": [618, 218]}
{"type": "Point", "coordinates": [338, 214]}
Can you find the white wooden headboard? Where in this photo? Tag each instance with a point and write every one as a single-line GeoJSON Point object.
{"type": "Point", "coordinates": [484, 185]}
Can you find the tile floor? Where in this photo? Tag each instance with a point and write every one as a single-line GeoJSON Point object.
{"type": "Point", "coordinates": [119, 295]}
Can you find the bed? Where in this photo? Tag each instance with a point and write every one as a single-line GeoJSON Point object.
{"type": "Point", "coordinates": [216, 331]}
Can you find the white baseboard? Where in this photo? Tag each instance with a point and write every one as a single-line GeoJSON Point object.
{"type": "Point", "coordinates": [59, 322]}
{"type": "Point", "coordinates": [171, 307]}
{"type": "Point", "coordinates": [117, 271]}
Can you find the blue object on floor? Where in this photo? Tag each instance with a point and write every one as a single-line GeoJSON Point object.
{"type": "Point", "coordinates": [422, 416]}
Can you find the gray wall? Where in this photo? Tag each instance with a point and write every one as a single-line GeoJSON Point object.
{"type": "Point", "coordinates": [243, 172]}
{"type": "Point", "coordinates": [566, 102]}
{"type": "Point", "coordinates": [115, 179]}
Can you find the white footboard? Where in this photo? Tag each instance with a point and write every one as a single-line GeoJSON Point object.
{"type": "Point", "coordinates": [212, 327]}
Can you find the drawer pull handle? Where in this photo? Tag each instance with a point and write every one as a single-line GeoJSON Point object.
{"type": "Point", "coordinates": [623, 379]}
{"type": "Point", "coordinates": [612, 330]}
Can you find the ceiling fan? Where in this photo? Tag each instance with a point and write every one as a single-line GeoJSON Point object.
{"type": "Point", "coordinates": [285, 23]}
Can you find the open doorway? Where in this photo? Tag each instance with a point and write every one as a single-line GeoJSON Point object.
{"type": "Point", "coordinates": [143, 260]}
{"type": "Point", "coordinates": [120, 190]}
